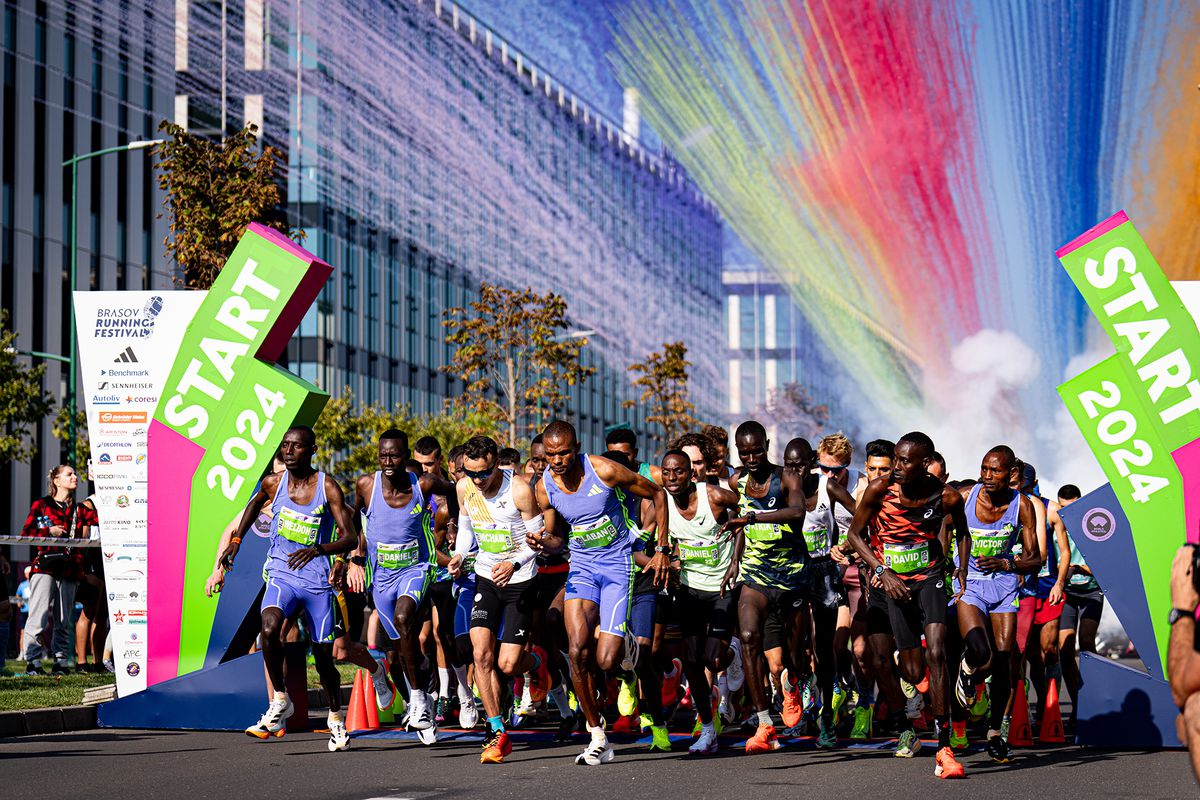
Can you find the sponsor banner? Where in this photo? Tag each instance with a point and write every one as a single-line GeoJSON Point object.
{"type": "Point", "coordinates": [127, 341]}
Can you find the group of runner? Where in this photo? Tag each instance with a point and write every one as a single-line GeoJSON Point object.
{"type": "Point", "coordinates": [598, 583]}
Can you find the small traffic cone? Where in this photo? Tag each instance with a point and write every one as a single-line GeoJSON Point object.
{"type": "Point", "coordinates": [1020, 732]}
{"type": "Point", "coordinates": [1051, 729]}
{"type": "Point", "coordinates": [356, 713]}
{"type": "Point", "coordinates": [368, 692]}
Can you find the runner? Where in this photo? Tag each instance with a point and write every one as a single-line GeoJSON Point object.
{"type": "Point", "coordinates": [707, 613]}
{"type": "Point", "coordinates": [399, 555]}
{"type": "Point", "coordinates": [997, 516]}
{"type": "Point", "coordinates": [718, 468]}
{"type": "Point", "coordinates": [699, 449]}
{"type": "Point", "coordinates": [624, 440]}
{"type": "Point", "coordinates": [428, 453]}
{"type": "Point", "coordinates": [580, 488]}
{"type": "Point", "coordinates": [1084, 605]}
{"type": "Point", "coordinates": [769, 559]}
{"type": "Point", "coordinates": [905, 514]}
{"type": "Point", "coordinates": [497, 511]}
{"type": "Point", "coordinates": [306, 505]}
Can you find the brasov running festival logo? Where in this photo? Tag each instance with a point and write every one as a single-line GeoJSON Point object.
{"type": "Point", "coordinates": [128, 322]}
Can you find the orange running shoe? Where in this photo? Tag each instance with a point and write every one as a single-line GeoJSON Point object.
{"type": "Point", "coordinates": [793, 703]}
{"type": "Point", "coordinates": [764, 740]}
{"type": "Point", "coordinates": [923, 686]}
{"type": "Point", "coordinates": [947, 765]}
{"type": "Point", "coordinates": [495, 747]}
{"type": "Point", "coordinates": [539, 679]}
{"type": "Point", "coordinates": [670, 683]}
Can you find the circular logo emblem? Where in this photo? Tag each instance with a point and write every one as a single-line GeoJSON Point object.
{"type": "Point", "coordinates": [133, 668]}
{"type": "Point", "coordinates": [1099, 524]}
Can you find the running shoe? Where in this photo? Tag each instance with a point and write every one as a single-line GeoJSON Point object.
{"type": "Point", "coordinates": [706, 745]}
{"type": "Point", "coordinates": [999, 750]}
{"type": "Point", "coordinates": [909, 690]}
{"type": "Point", "coordinates": [626, 723]}
{"type": "Point", "coordinates": [420, 717]}
{"type": "Point", "coordinates": [839, 699]}
{"type": "Point", "coordinates": [384, 694]}
{"type": "Point", "coordinates": [496, 746]}
{"type": "Point", "coordinates": [526, 705]}
{"type": "Point", "coordinates": [908, 745]}
{"type": "Point", "coordinates": [1004, 726]}
{"type": "Point", "coordinates": [725, 710]}
{"type": "Point", "coordinates": [863, 716]}
{"type": "Point", "coordinates": [810, 694]}
{"type": "Point", "coordinates": [338, 738]}
{"type": "Point", "coordinates": [627, 701]}
{"type": "Point", "coordinates": [826, 734]}
{"type": "Point", "coordinates": [441, 708]}
{"type": "Point", "coordinates": [659, 738]}
{"type": "Point", "coordinates": [429, 735]}
{"type": "Point", "coordinates": [982, 703]}
{"type": "Point", "coordinates": [764, 740]}
{"type": "Point", "coordinates": [923, 686]}
{"type": "Point", "coordinates": [468, 715]}
{"type": "Point", "coordinates": [598, 752]}
{"type": "Point", "coordinates": [958, 735]}
{"type": "Point", "coordinates": [718, 725]}
{"type": "Point", "coordinates": [670, 683]}
{"type": "Point", "coordinates": [793, 704]}
{"type": "Point", "coordinates": [567, 727]}
{"type": "Point", "coordinates": [947, 766]}
{"type": "Point", "coordinates": [538, 684]}
{"type": "Point", "coordinates": [272, 722]}
{"type": "Point", "coordinates": [964, 686]}
{"type": "Point", "coordinates": [913, 707]}
{"type": "Point", "coordinates": [735, 673]}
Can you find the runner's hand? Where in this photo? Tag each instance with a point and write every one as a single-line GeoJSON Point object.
{"type": "Point", "coordinates": [215, 582]}
{"type": "Point", "coordinates": [228, 556]}
{"type": "Point", "coordinates": [960, 575]}
{"type": "Point", "coordinates": [839, 555]}
{"type": "Point", "coordinates": [895, 588]}
{"type": "Point", "coordinates": [298, 559]}
{"type": "Point", "coordinates": [732, 526]}
{"type": "Point", "coordinates": [660, 564]}
{"type": "Point", "coordinates": [991, 564]}
{"type": "Point", "coordinates": [356, 578]}
{"type": "Point", "coordinates": [1183, 590]}
{"type": "Point", "coordinates": [534, 540]}
{"type": "Point", "coordinates": [502, 573]}
{"type": "Point", "coordinates": [727, 583]}
{"type": "Point", "coordinates": [455, 566]}
{"type": "Point", "coordinates": [337, 575]}
{"type": "Point", "coordinates": [1056, 594]}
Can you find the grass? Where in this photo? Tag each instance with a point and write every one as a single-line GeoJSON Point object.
{"type": "Point", "coordinates": [19, 693]}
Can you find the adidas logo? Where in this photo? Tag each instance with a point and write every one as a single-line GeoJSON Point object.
{"type": "Point", "coordinates": [415, 510]}
{"type": "Point", "coordinates": [127, 357]}
{"type": "Point", "coordinates": [595, 490]}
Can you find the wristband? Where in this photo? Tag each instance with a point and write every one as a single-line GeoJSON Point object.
{"type": "Point", "coordinates": [358, 561]}
{"type": "Point", "coordinates": [339, 559]}
{"type": "Point", "coordinates": [236, 540]}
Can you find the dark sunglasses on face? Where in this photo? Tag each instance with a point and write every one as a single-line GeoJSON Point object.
{"type": "Point", "coordinates": [835, 469]}
{"type": "Point", "coordinates": [480, 475]}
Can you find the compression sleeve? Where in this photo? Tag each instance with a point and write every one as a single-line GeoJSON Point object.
{"type": "Point", "coordinates": [464, 543]}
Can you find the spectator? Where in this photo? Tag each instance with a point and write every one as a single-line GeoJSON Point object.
{"type": "Point", "coordinates": [1183, 653]}
{"type": "Point", "coordinates": [56, 570]}
{"type": "Point", "coordinates": [6, 612]}
{"type": "Point", "coordinates": [23, 604]}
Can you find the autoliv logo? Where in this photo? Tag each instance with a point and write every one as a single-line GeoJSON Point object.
{"type": "Point", "coordinates": [127, 356]}
{"type": "Point", "coordinates": [128, 323]}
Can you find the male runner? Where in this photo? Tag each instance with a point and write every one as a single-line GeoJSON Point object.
{"type": "Point", "coordinates": [624, 440]}
{"type": "Point", "coordinates": [306, 505]}
{"type": "Point", "coordinates": [996, 517]}
{"type": "Point", "coordinates": [398, 548]}
{"type": "Point", "coordinates": [699, 449]}
{"type": "Point", "coordinates": [428, 453]}
{"type": "Point", "coordinates": [905, 555]}
{"type": "Point", "coordinates": [769, 558]}
{"type": "Point", "coordinates": [581, 489]}
{"type": "Point", "coordinates": [707, 613]}
{"type": "Point", "coordinates": [497, 511]}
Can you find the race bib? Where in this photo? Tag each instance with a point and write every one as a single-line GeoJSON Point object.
{"type": "Point", "coordinates": [763, 532]}
{"type": "Point", "coordinates": [699, 554]}
{"type": "Point", "coordinates": [397, 556]}
{"type": "Point", "coordinates": [495, 540]}
{"type": "Point", "coordinates": [817, 542]}
{"type": "Point", "coordinates": [602, 535]}
{"type": "Point", "coordinates": [1080, 579]}
{"type": "Point", "coordinates": [298, 527]}
{"type": "Point", "coordinates": [905, 558]}
{"type": "Point", "coordinates": [989, 543]}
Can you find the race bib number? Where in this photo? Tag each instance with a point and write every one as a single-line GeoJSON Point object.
{"type": "Point", "coordinates": [763, 532]}
{"type": "Point", "coordinates": [298, 527]}
{"type": "Point", "coordinates": [397, 556]}
{"type": "Point", "coordinates": [600, 536]}
{"type": "Point", "coordinates": [495, 540]}
{"type": "Point", "coordinates": [903, 559]}
{"type": "Point", "coordinates": [989, 543]}
{"type": "Point", "coordinates": [817, 542]}
{"type": "Point", "coordinates": [699, 554]}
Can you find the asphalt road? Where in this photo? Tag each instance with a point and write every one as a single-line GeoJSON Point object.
{"type": "Point", "coordinates": [135, 764]}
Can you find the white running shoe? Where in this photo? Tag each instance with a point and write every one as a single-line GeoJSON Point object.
{"type": "Point", "coordinates": [598, 752]}
{"type": "Point", "coordinates": [338, 738]}
{"type": "Point", "coordinates": [913, 706]}
{"type": "Point", "coordinates": [468, 715]}
{"type": "Point", "coordinates": [725, 710]}
{"type": "Point", "coordinates": [631, 651]}
{"type": "Point", "coordinates": [706, 745]}
{"type": "Point", "coordinates": [420, 717]}
{"type": "Point", "coordinates": [428, 736]}
{"type": "Point", "coordinates": [384, 696]}
{"type": "Point", "coordinates": [734, 673]}
{"type": "Point", "coordinates": [272, 722]}
{"type": "Point", "coordinates": [525, 707]}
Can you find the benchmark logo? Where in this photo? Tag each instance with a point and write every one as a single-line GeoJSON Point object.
{"type": "Point", "coordinates": [127, 356]}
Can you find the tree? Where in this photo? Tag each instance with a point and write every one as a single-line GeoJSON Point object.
{"type": "Point", "coordinates": [83, 446]}
{"type": "Point", "coordinates": [347, 434]}
{"type": "Point", "coordinates": [663, 378]}
{"type": "Point", "coordinates": [793, 412]}
{"type": "Point", "coordinates": [214, 190]}
{"type": "Point", "coordinates": [515, 356]}
{"type": "Point", "coordinates": [23, 402]}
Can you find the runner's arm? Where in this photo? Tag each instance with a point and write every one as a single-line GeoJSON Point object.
{"type": "Point", "coordinates": [1183, 660]}
{"type": "Point", "coordinates": [266, 490]}
{"type": "Point", "coordinates": [550, 540]}
{"type": "Point", "coordinates": [619, 477]}
{"type": "Point", "coordinates": [838, 494]}
{"type": "Point", "coordinates": [956, 509]}
{"type": "Point", "coordinates": [1064, 556]}
{"type": "Point", "coordinates": [347, 534]}
{"type": "Point", "coordinates": [432, 484]}
{"type": "Point", "coordinates": [532, 515]}
{"type": "Point", "coordinates": [722, 501]}
{"type": "Point", "coordinates": [1030, 561]}
{"type": "Point", "coordinates": [441, 533]}
{"type": "Point", "coordinates": [866, 508]}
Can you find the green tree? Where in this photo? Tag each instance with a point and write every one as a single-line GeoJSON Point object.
{"type": "Point", "coordinates": [83, 446]}
{"type": "Point", "coordinates": [663, 379]}
{"type": "Point", "coordinates": [23, 401]}
{"type": "Point", "coordinates": [514, 352]}
{"type": "Point", "coordinates": [214, 190]}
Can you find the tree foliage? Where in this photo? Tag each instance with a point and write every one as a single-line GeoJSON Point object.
{"type": "Point", "coordinates": [515, 357]}
{"type": "Point", "coordinates": [214, 190]}
{"type": "Point", "coordinates": [793, 412]}
{"type": "Point", "coordinates": [83, 446]}
{"type": "Point", "coordinates": [23, 402]}
{"type": "Point", "coordinates": [347, 433]}
{"type": "Point", "coordinates": [663, 379]}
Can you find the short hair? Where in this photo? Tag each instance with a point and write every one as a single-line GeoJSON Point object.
{"type": "Point", "coordinates": [881, 448]}
{"type": "Point", "coordinates": [697, 440]}
{"type": "Point", "coordinates": [455, 452]}
{"type": "Point", "coordinates": [801, 443]}
{"type": "Point", "coordinates": [1028, 474]}
{"type": "Point", "coordinates": [750, 427]}
{"type": "Point", "coordinates": [508, 455]}
{"type": "Point", "coordinates": [838, 446]}
{"type": "Point", "coordinates": [560, 429]}
{"type": "Point", "coordinates": [1005, 452]}
{"type": "Point", "coordinates": [674, 451]}
{"type": "Point", "coordinates": [480, 447]}
{"type": "Point", "coordinates": [717, 434]}
{"type": "Point", "coordinates": [427, 444]}
{"type": "Point", "coordinates": [618, 457]}
{"type": "Point", "coordinates": [920, 440]}
{"type": "Point", "coordinates": [396, 434]}
{"type": "Point", "coordinates": [1069, 491]}
{"type": "Point", "coordinates": [536, 440]}
{"type": "Point", "coordinates": [939, 458]}
{"type": "Point", "coordinates": [308, 432]}
{"type": "Point", "coordinates": [620, 436]}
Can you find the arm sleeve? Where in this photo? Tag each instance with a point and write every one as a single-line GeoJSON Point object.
{"type": "Point", "coordinates": [465, 541]}
{"type": "Point", "coordinates": [30, 527]}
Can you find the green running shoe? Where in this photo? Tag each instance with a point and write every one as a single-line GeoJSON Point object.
{"type": "Point", "coordinates": [958, 735]}
{"type": "Point", "coordinates": [839, 699]}
{"type": "Point", "coordinates": [659, 738]}
{"type": "Point", "coordinates": [909, 744]}
{"type": "Point", "coordinates": [863, 717]}
{"type": "Point", "coordinates": [627, 701]}
{"type": "Point", "coordinates": [826, 734]}
{"type": "Point", "coordinates": [645, 721]}
{"type": "Point", "coordinates": [981, 706]}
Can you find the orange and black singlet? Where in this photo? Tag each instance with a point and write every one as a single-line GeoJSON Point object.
{"type": "Point", "coordinates": [906, 538]}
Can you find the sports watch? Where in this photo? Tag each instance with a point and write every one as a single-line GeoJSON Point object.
{"type": "Point", "coordinates": [879, 570]}
{"type": "Point", "coordinates": [1178, 614]}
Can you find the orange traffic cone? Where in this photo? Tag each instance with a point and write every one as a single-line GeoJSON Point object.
{"type": "Point", "coordinates": [1051, 729]}
{"type": "Point", "coordinates": [356, 714]}
{"type": "Point", "coordinates": [369, 698]}
{"type": "Point", "coordinates": [1020, 732]}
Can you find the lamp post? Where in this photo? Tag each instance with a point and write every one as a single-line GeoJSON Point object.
{"type": "Point", "coordinates": [70, 359]}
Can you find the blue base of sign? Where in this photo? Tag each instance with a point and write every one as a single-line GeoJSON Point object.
{"type": "Point", "coordinates": [1123, 707]}
{"type": "Point", "coordinates": [227, 697]}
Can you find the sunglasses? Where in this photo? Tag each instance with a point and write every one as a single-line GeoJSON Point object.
{"type": "Point", "coordinates": [480, 475]}
{"type": "Point", "coordinates": [834, 469]}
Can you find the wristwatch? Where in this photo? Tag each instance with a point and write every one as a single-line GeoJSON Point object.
{"type": "Point", "coordinates": [358, 561]}
{"type": "Point", "coordinates": [880, 570]}
{"type": "Point", "coordinates": [1178, 614]}
{"type": "Point", "coordinates": [751, 518]}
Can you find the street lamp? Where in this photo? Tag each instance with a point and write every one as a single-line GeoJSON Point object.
{"type": "Point", "coordinates": [73, 163]}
